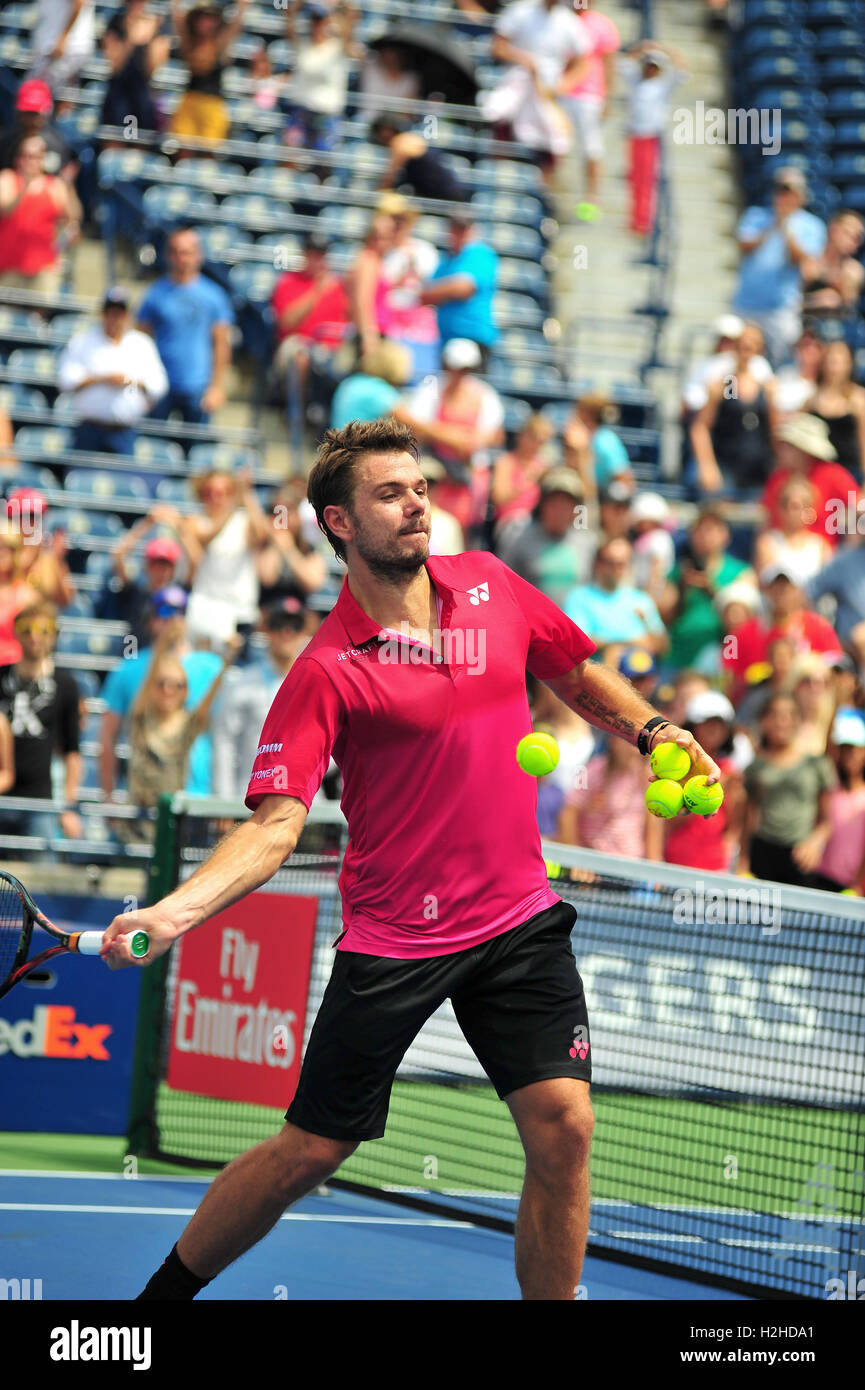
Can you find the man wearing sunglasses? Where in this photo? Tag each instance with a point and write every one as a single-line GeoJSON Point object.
{"type": "Point", "coordinates": [42, 705]}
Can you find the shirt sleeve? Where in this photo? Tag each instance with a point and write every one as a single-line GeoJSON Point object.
{"type": "Point", "coordinates": [221, 312]}
{"type": "Point", "coordinates": [556, 645]}
{"type": "Point", "coordinates": [423, 401]}
{"type": "Point", "coordinates": [492, 414]}
{"type": "Point", "coordinates": [147, 309]}
{"type": "Point", "coordinates": [72, 368]}
{"type": "Point", "coordinates": [809, 233]}
{"type": "Point", "coordinates": [752, 223]}
{"type": "Point", "coordinates": [580, 42]}
{"type": "Point", "coordinates": [69, 722]}
{"type": "Point", "coordinates": [154, 378]}
{"type": "Point", "coordinates": [113, 692]}
{"type": "Point", "coordinates": [298, 737]}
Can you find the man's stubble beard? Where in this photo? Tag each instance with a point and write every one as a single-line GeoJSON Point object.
{"type": "Point", "coordinates": [390, 564]}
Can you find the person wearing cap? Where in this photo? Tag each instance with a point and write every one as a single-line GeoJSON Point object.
{"type": "Point", "coordinates": [248, 694]}
{"type": "Point", "coordinates": [727, 330]}
{"type": "Point", "coordinates": [788, 616]}
{"type": "Point", "coordinates": [610, 608]}
{"type": "Point", "coordinates": [705, 567]}
{"type": "Point", "coordinates": [638, 666]}
{"type": "Point", "coordinates": [39, 215]}
{"type": "Point", "coordinates": [650, 522]}
{"type": "Point", "coordinates": [401, 314]}
{"type": "Point", "coordinates": [842, 866]}
{"type": "Point", "coordinates": [803, 450]}
{"type": "Point", "coordinates": [320, 73]}
{"type": "Point", "coordinates": [115, 377]}
{"type": "Point", "coordinates": [593, 448]}
{"type": "Point", "coordinates": [775, 243]}
{"type": "Point", "coordinates": [127, 598]}
{"type": "Point", "coordinates": [707, 843]}
{"type": "Point", "coordinates": [166, 626]}
{"type": "Point", "coordinates": [614, 510]}
{"type": "Point", "coordinates": [463, 286]}
{"type": "Point", "coordinates": [311, 309]}
{"type": "Point", "coordinates": [731, 436]}
{"type": "Point", "coordinates": [190, 318]}
{"type": "Point", "coordinates": [375, 388]}
{"type": "Point", "coordinates": [63, 41]}
{"type": "Point", "coordinates": [459, 419]}
{"type": "Point", "coordinates": [413, 164]}
{"type": "Point", "coordinates": [553, 549]}
{"type": "Point", "coordinates": [33, 106]}
{"type": "Point", "coordinates": [792, 542]}
{"type": "Point", "coordinates": [651, 71]}
{"type": "Point", "coordinates": [42, 703]}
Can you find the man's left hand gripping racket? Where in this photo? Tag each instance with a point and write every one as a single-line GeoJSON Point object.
{"type": "Point", "coordinates": [18, 916]}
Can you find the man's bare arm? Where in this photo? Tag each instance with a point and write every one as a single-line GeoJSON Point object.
{"type": "Point", "coordinates": [611, 703]}
{"type": "Point", "coordinates": [245, 859]}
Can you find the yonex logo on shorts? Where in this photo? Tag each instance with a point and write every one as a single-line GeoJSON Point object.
{"type": "Point", "coordinates": [580, 1046]}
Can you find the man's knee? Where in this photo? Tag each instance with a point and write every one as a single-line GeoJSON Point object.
{"type": "Point", "coordinates": [558, 1140]}
{"type": "Point", "coordinates": [317, 1156]}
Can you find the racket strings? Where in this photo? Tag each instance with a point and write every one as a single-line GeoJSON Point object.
{"type": "Point", "coordinates": [11, 927]}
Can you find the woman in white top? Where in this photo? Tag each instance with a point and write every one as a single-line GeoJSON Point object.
{"type": "Point", "coordinates": [221, 548]}
{"type": "Point", "coordinates": [793, 544]}
{"type": "Point", "coordinates": [319, 79]}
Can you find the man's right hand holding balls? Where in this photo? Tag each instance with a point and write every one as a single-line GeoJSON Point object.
{"type": "Point", "coordinates": [686, 780]}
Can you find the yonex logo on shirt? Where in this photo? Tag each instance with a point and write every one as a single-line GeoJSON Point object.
{"type": "Point", "coordinates": [480, 594]}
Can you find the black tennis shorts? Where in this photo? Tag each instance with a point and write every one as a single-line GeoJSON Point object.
{"type": "Point", "coordinates": [518, 1000]}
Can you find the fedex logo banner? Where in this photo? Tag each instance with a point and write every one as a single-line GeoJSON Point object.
{"type": "Point", "coordinates": [240, 1001]}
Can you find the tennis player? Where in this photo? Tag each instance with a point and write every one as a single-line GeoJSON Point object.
{"type": "Point", "coordinates": [415, 683]}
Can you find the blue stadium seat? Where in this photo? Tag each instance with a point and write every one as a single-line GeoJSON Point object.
{"type": "Point", "coordinates": [843, 71]}
{"type": "Point", "coordinates": [30, 475]}
{"type": "Point", "coordinates": [91, 482]}
{"type": "Point", "coordinates": [171, 203]}
{"type": "Point", "coordinates": [533, 383]}
{"type": "Point", "coordinates": [776, 68]}
{"type": "Point", "coordinates": [558, 413]}
{"type": "Point", "coordinates": [200, 173]}
{"type": "Point", "coordinates": [79, 525]}
{"type": "Point", "coordinates": [508, 207]}
{"type": "Point", "coordinates": [14, 398]}
{"type": "Point", "coordinates": [224, 456]}
{"type": "Point", "coordinates": [517, 310]}
{"type": "Point", "coordinates": [254, 281]}
{"type": "Point", "coordinates": [89, 642]}
{"type": "Point", "coordinates": [790, 100]}
{"type": "Point", "coordinates": [34, 364]}
{"type": "Point", "coordinates": [849, 135]}
{"type": "Point", "coordinates": [770, 11]}
{"type": "Point", "coordinates": [765, 38]}
{"type": "Point", "coordinates": [88, 682]}
{"type": "Point", "coordinates": [123, 166]}
{"type": "Point", "coordinates": [516, 414]}
{"type": "Point", "coordinates": [820, 13]}
{"type": "Point", "coordinates": [159, 453]}
{"type": "Point", "coordinates": [221, 240]}
{"type": "Point", "coordinates": [42, 441]}
{"type": "Point", "coordinates": [524, 277]}
{"type": "Point", "coordinates": [844, 103]}
{"type": "Point", "coordinates": [250, 209]}
{"type": "Point", "coordinates": [837, 40]}
{"type": "Point", "coordinates": [509, 173]}
{"type": "Point", "coordinates": [98, 565]}
{"type": "Point", "coordinates": [280, 183]}
{"type": "Point", "coordinates": [282, 241]}
{"type": "Point", "coordinates": [174, 490]}
{"type": "Point", "coordinates": [344, 223]}
{"type": "Point", "coordinates": [524, 242]}
{"type": "Point", "coordinates": [81, 606]}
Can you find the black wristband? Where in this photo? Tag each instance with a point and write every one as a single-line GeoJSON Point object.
{"type": "Point", "coordinates": [643, 737]}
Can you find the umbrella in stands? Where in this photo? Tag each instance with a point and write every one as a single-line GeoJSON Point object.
{"type": "Point", "coordinates": [429, 50]}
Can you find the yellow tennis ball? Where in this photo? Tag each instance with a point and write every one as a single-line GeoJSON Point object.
{"type": "Point", "coordinates": [664, 798]}
{"type": "Point", "coordinates": [537, 754]}
{"type": "Point", "coordinates": [669, 760]}
{"type": "Point", "coordinates": [702, 799]}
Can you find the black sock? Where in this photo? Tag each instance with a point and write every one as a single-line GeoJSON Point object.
{"type": "Point", "coordinates": [172, 1280]}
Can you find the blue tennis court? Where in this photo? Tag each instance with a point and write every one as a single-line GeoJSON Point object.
{"type": "Point", "coordinates": [100, 1236]}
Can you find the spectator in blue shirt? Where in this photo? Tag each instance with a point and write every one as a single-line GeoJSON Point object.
{"type": "Point", "coordinates": [190, 318]}
{"type": "Point", "coordinates": [775, 242]}
{"type": "Point", "coordinates": [463, 285]}
{"type": "Point", "coordinates": [844, 580]}
{"type": "Point", "coordinates": [122, 684]}
{"type": "Point", "coordinates": [610, 610]}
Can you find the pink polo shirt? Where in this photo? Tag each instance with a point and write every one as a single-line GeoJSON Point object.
{"type": "Point", "coordinates": [604, 38]}
{"type": "Point", "coordinates": [444, 850]}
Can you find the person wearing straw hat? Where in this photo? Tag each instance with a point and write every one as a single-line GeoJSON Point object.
{"type": "Point", "coordinates": [804, 449]}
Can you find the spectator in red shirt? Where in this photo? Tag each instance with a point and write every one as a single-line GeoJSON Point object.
{"type": "Point", "coordinates": [804, 450]}
{"type": "Point", "coordinates": [310, 306]}
{"type": "Point", "coordinates": [788, 616]}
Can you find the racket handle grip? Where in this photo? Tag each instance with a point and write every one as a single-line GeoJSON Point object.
{"type": "Point", "coordinates": [89, 943]}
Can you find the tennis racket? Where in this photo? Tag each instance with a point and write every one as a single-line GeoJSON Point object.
{"type": "Point", "coordinates": [18, 916]}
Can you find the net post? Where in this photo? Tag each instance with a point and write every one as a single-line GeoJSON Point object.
{"type": "Point", "coordinates": [143, 1130]}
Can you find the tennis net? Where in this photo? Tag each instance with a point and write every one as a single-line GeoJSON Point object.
{"type": "Point", "coordinates": [727, 1045]}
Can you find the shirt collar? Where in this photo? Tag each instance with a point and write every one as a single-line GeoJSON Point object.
{"type": "Point", "coordinates": [360, 626]}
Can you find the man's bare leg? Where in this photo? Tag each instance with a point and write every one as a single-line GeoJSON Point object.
{"type": "Point", "coordinates": [554, 1119]}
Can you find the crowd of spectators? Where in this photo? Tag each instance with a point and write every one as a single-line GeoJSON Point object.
{"type": "Point", "coordinates": [750, 632]}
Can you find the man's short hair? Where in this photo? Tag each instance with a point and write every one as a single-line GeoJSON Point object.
{"type": "Point", "coordinates": [332, 480]}
{"type": "Point", "coordinates": [39, 608]}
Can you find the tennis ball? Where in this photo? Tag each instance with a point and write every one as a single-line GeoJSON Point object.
{"type": "Point", "coordinates": [537, 754]}
{"type": "Point", "coordinates": [703, 800]}
{"type": "Point", "coordinates": [669, 760]}
{"type": "Point", "coordinates": [664, 798]}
